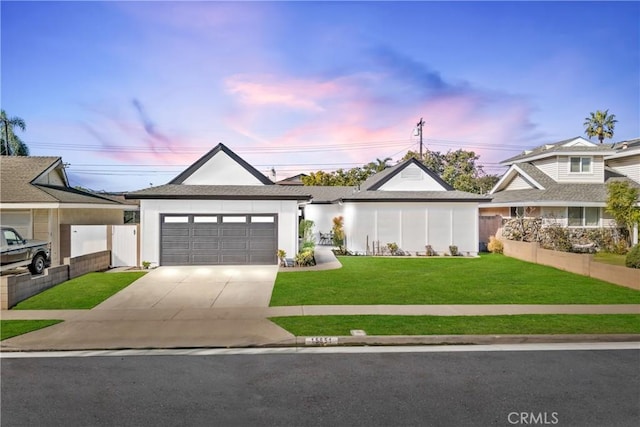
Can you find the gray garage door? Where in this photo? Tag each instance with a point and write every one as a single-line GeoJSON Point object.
{"type": "Point", "coordinates": [218, 239]}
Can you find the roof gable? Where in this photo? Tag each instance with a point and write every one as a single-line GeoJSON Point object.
{"type": "Point", "coordinates": [526, 175]}
{"type": "Point", "coordinates": [221, 166]}
{"type": "Point", "coordinates": [410, 175]}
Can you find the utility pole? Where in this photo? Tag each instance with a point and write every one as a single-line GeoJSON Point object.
{"type": "Point", "coordinates": [419, 127]}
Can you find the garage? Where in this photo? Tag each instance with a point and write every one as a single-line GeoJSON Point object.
{"type": "Point", "coordinates": [218, 239]}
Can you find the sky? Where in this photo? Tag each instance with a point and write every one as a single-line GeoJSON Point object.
{"type": "Point", "coordinates": [129, 94]}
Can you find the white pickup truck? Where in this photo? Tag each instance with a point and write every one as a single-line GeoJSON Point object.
{"type": "Point", "coordinates": [18, 252]}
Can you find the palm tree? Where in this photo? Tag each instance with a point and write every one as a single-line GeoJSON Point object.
{"type": "Point", "coordinates": [600, 124]}
{"type": "Point", "coordinates": [378, 166]}
{"type": "Point", "coordinates": [11, 143]}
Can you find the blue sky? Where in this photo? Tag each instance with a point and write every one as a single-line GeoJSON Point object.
{"type": "Point", "coordinates": [131, 93]}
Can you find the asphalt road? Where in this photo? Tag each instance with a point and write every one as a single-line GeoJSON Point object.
{"type": "Point", "coordinates": [566, 388]}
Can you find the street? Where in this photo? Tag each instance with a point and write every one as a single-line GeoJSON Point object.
{"type": "Point", "coordinates": [567, 388]}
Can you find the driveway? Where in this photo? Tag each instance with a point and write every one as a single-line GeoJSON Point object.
{"type": "Point", "coordinates": [172, 307]}
{"type": "Point", "coordinates": [197, 287]}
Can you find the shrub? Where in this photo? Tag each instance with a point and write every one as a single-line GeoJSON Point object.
{"type": "Point", "coordinates": [306, 246]}
{"type": "Point", "coordinates": [305, 231]}
{"type": "Point", "coordinates": [454, 250]}
{"type": "Point", "coordinates": [633, 257]}
{"type": "Point", "coordinates": [338, 233]}
{"type": "Point", "coordinates": [430, 251]}
{"type": "Point", "coordinates": [393, 248]}
{"type": "Point", "coordinates": [305, 258]}
{"type": "Point", "coordinates": [495, 246]}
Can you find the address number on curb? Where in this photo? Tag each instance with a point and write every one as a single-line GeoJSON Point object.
{"type": "Point", "coordinates": [321, 341]}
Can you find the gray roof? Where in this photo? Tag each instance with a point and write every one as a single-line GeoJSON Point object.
{"type": "Point", "coordinates": [329, 194]}
{"type": "Point", "coordinates": [225, 192]}
{"type": "Point", "coordinates": [16, 183]}
{"type": "Point", "coordinates": [415, 196]}
{"type": "Point", "coordinates": [570, 192]}
{"type": "Point", "coordinates": [535, 173]}
{"type": "Point", "coordinates": [557, 148]}
{"type": "Point", "coordinates": [628, 143]}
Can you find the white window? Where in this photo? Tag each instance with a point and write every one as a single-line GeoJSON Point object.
{"type": "Point", "coordinates": [262, 219]}
{"type": "Point", "coordinates": [181, 219]}
{"type": "Point", "coordinates": [580, 164]}
{"type": "Point", "coordinates": [206, 219]}
{"type": "Point", "coordinates": [234, 219]}
{"type": "Point", "coordinates": [583, 216]}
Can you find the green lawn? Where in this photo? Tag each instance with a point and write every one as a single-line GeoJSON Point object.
{"type": "Point", "coordinates": [83, 292]}
{"type": "Point", "coordinates": [490, 279]}
{"type": "Point", "coordinates": [462, 325]}
{"type": "Point", "coordinates": [12, 328]}
{"type": "Point", "coordinates": [609, 258]}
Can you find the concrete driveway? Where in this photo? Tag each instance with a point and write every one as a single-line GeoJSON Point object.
{"type": "Point", "coordinates": [197, 287]}
{"type": "Point", "coordinates": [172, 307]}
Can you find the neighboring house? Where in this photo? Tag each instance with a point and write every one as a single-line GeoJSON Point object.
{"type": "Point", "coordinates": [36, 199]}
{"type": "Point", "coordinates": [221, 210]}
{"type": "Point", "coordinates": [565, 183]}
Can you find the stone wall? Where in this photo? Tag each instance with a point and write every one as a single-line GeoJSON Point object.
{"type": "Point", "coordinates": [18, 287]}
{"type": "Point", "coordinates": [575, 263]}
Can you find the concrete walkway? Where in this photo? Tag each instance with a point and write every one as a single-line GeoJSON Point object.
{"type": "Point", "coordinates": [189, 307]}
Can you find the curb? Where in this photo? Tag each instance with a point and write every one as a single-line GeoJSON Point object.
{"type": "Point", "coordinates": [398, 340]}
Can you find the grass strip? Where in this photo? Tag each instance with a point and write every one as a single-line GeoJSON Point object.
{"type": "Point", "coordinates": [489, 279]}
{"type": "Point", "coordinates": [462, 325]}
{"type": "Point", "coordinates": [83, 292]}
{"type": "Point", "coordinates": [12, 328]}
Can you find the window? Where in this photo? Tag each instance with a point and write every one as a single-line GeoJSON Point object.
{"type": "Point", "coordinates": [206, 219]}
{"type": "Point", "coordinates": [11, 237]}
{"type": "Point", "coordinates": [583, 217]}
{"type": "Point", "coordinates": [517, 211]}
{"type": "Point", "coordinates": [262, 219]}
{"type": "Point", "coordinates": [234, 219]}
{"type": "Point", "coordinates": [580, 164]}
{"type": "Point", "coordinates": [178, 219]}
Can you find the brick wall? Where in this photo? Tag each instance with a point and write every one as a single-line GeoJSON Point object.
{"type": "Point", "coordinates": [576, 263]}
{"type": "Point", "coordinates": [18, 287]}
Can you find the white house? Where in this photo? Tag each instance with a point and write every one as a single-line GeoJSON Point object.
{"type": "Point", "coordinates": [221, 210]}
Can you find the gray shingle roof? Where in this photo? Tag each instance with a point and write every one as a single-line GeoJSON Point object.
{"type": "Point", "coordinates": [415, 196]}
{"type": "Point", "coordinates": [535, 173]}
{"type": "Point", "coordinates": [570, 192]}
{"type": "Point", "coordinates": [17, 174]}
{"type": "Point", "coordinates": [557, 148]}
{"type": "Point", "coordinates": [227, 192]}
{"type": "Point", "coordinates": [328, 194]}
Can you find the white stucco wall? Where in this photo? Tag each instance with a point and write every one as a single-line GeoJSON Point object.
{"type": "Point", "coordinates": [150, 211]}
{"type": "Point", "coordinates": [322, 216]}
{"type": "Point", "coordinates": [412, 226]}
{"type": "Point", "coordinates": [222, 170]}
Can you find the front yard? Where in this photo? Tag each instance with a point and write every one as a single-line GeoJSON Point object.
{"type": "Point", "coordinates": [489, 279]}
{"type": "Point", "coordinates": [83, 292]}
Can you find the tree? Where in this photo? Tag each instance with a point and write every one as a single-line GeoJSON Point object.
{"type": "Point", "coordinates": [11, 144]}
{"type": "Point", "coordinates": [378, 166]}
{"type": "Point", "coordinates": [350, 177]}
{"type": "Point", "coordinates": [622, 204]}
{"type": "Point", "coordinates": [600, 124]}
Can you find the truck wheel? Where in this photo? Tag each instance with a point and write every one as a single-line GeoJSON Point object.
{"type": "Point", "coordinates": [37, 265]}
